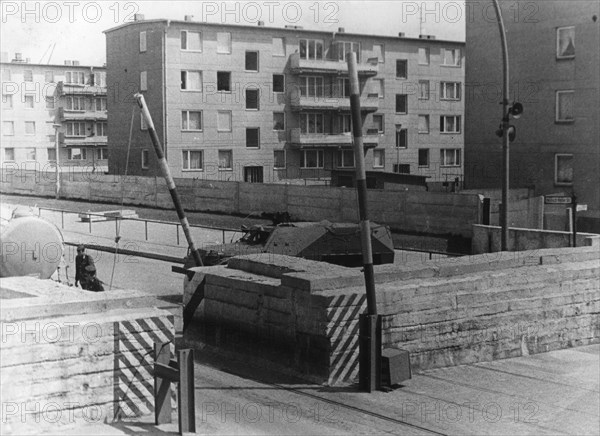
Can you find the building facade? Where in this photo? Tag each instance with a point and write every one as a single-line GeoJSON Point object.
{"type": "Point", "coordinates": [260, 104]}
{"type": "Point", "coordinates": [554, 61]}
{"type": "Point", "coordinates": [40, 101]}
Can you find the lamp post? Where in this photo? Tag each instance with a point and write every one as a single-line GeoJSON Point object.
{"type": "Point", "coordinates": [57, 166]}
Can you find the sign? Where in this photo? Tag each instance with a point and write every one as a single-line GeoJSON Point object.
{"type": "Point", "coordinates": [557, 200]}
{"type": "Point", "coordinates": [581, 207]}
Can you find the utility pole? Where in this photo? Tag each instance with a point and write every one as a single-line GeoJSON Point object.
{"type": "Point", "coordinates": [57, 166]}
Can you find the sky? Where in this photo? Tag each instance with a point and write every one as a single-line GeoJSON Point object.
{"type": "Point", "coordinates": [73, 29]}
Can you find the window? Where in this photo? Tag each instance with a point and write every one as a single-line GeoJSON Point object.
{"type": "Point", "coordinates": [224, 42]}
{"type": "Point", "coordinates": [191, 41]}
{"type": "Point", "coordinates": [8, 128]}
{"type": "Point", "coordinates": [278, 83]}
{"type": "Point", "coordinates": [565, 42]}
{"type": "Point", "coordinates": [278, 46]}
{"type": "Point", "coordinates": [311, 123]}
{"type": "Point", "coordinates": [450, 157]}
{"type": "Point", "coordinates": [7, 100]}
{"type": "Point", "coordinates": [30, 153]}
{"type": "Point", "coordinates": [278, 121]}
{"type": "Point", "coordinates": [311, 86]}
{"type": "Point", "coordinates": [51, 154]}
{"type": "Point", "coordinates": [99, 79]}
{"type": "Point", "coordinates": [343, 85]}
{"type": "Point", "coordinates": [28, 75]}
{"type": "Point", "coordinates": [345, 158]}
{"type": "Point", "coordinates": [50, 103]}
{"type": "Point", "coordinates": [423, 56]}
{"type": "Point", "coordinates": [76, 103]}
{"type": "Point", "coordinates": [143, 81]}
{"type": "Point", "coordinates": [401, 103]}
{"type": "Point", "coordinates": [423, 123]}
{"type": "Point", "coordinates": [379, 52]}
{"type": "Point", "coordinates": [49, 76]}
{"type": "Point", "coordinates": [191, 120]}
{"type": "Point", "coordinates": [311, 159]}
{"type": "Point", "coordinates": [251, 61]}
{"type": "Point", "coordinates": [252, 137]}
{"type": "Point", "coordinates": [9, 153]}
{"type": "Point", "coordinates": [143, 125]}
{"type": "Point", "coordinates": [30, 127]}
{"type": "Point", "coordinates": [450, 124]}
{"type": "Point", "coordinates": [401, 168]}
{"type": "Point", "coordinates": [450, 91]}
{"type": "Point", "coordinates": [564, 106]}
{"type": "Point", "coordinates": [193, 160]}
{"type": "Point", "coordinates": [451, 57]}
{"type": "Point", "coordinates": [311, 49]}
{"type": "Point", "coordinates": [252, 99]}
{"type": "Point", "coordinates": [191, 80]}
{"type": "Point", "coordinates": [100, 104]}
{"type": "Point", "coordinates": [345, 123]}
{"type": "Point", "coordinates": [378, 123]}
{"type": "Point", "coordinates": [401, 68]}
{"type": "Point", "coordinates": [75, 77]}
{"type": "Point", "coordinates": [344, 47]}
{"type": "Point", "coordinates": [224, 81]}
{"type": "Point", "coordinates": [378, 87]}
{"type": "Point", "coordinates": [423, 157]}
{"type": "Point", "coordinates": [142, 41]}
{"type": "Point", "coordinates": [29, 103]}
{"type": "Point", "coordinates": [101, 129]}
{"type": "Point", "coordinates": [225, 159]}
{"type": "Point", "coordinates": [423, 89]}
{"type": "Point", "coordinates": [75, 129]}
{"type": "Point", "coordinates": [77, 154]}
{"type": "Point", "coordinates": [102, 153]}
{"type": "Point", "coordinates": [145, 159]}
{"type": "Point", "coordinates": [401, 137]}
{"type": "Point", "coordinates": [563, 169]}
{"type": "Point", "coordinates": [278, 159]}
{"type": "Point", "coordinates": [378, 158]}
{"type": "Point", "coordinates": [224, 121]}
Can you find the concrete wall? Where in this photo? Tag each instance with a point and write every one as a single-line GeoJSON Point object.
{"type": "Point", "coordinates": [487, 239]}
{"type": "Point", "coordinates": [426, 212]}
{"type": "Point", "coordinates": [304, 315]}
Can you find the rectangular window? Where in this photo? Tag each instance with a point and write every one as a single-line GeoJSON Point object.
{"type": "Point", "coordinates": [278, 159]}
{"type": "Point", "coordinates": [142, 41]}
{"type": "Point", "coordinates": [7, 101]}
{"type": "Point", "coordinates": [252, 137]}
{"type": "Point", "coordinates": [343, 87]}
{"type": "Point", "coordinates": [30, 127]}
{"type": "Point", "coordinates": [450, 124]}
{"type": "Point", "coordinates": [345, 47]}
{"type": "Point", "coordinates": [565, 106]}
{"type": "Point", "coordinates": [378, 123]}
{"type": "Point", "coordinates": [75, 77]}
{"type": "Point", "coordinates": [278, 83]}
{"type": "Point", "coordinates": [193, 160]}
{"type": "Point", "coordinates": [401, 103]}
{"type": "Point", "coordinates": [224, 42]}
{"type": "Point", "coordinates": [75, 129]}
{"type": "Point", "coordinates": [423, 89]}
{"type": "Point", "coordinates": [8, 128]}
{"type": "Point", "coordinates": [311, 49]}
{"type": "Point", "coordinates": [225, 159]}
{"type": "Point", "coordinates": [99, 79]}
{"type": "Point", "coordinates": [563, 169]}
{"type": "Point", "coordinates": [102, 153]}
{"type": "Point", "coordinates": [278, 46]}
{"type": "Point", "coordinates": [191, 41]}
{"type": "Point", "coordinates": [224, 81]}
{"type": "Point", "coordinates": [224, 121]}
{"type": "Point", "coordinates": [451, 57]}
{"type": "Point", "coordinates": [423, 157]}
{"type": "Point", "coordinates": [423, 56]}
{"type": "Point", "coordinates": [345, 158]}
{"type": "Point", "coordinates": [191, 120]}
{"type": "Point", "coordinates": [401, 68]}
{"type": "Point", "coordinates": [311, 86]}
{"type": "Point", "coordinates": [450, 157]}
{"type": "Point", "coordinates": [76, 103]}
{"type": "Point", "coordinates": [401, 137]}
{"type": "Point", "coordinates": [49, 76]}
{"type": "Point", "coordinates": [379, 52]}
{"type": "Point", "coordinates": [145, 159]}
{"type": "Point", "coordinates": [28, 75]}
{"type": "Point", "coordinates": [29, 103]}
{"type": "Point", "coordinates": [378, 87]}
{"type": "Point", "coordinates": [191, 80]}
{"type": "Point", "coordinates": [401, 168]}
{"type": "Point", "coordinates": [9, 153]}
{"type": "Point", "coordinates": [100, 104]}
{"type": "Point", "coordinates": [278, 121]}
{"type": "Point", "coordinates": [423, 123]}
{"type": "Point", "coordinates": [450, 91]}
{"type": "Point", "coordinates": [143, 125]}
{"type": "Point", "coordinates": [251, 63]}
{"type": "Point", "coordinates": [51, 154]}
{"type": "Point", "coordinates": [50, 103]}
{"type": "Point", "coordinates": [378, 158]}
{"type": "Point", "coordinates": [345, 123]}
{"type": "Point", "coordinates": [312, 159]}
{"type": "Point", "coordinates": [77, 154]}
{"type": "Point", "coordinates": [565, 42]}
{"type": "Point", "coordinates": [311, 123]}
{"type": "Point", "coordinates": [101, 129]}
{"type": "Point", "coordinates": [252, 99]}
{"type": "Point", "coordinates": [143, 81]}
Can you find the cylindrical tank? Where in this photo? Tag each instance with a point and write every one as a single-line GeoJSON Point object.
{"type": "Point", "coordinates": [30, 245]}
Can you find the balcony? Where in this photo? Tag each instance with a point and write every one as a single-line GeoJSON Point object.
{"type": "Point", "coordinates": [65, 114]}
{"type": "Point", "coordinates": [80, 89]}
{"type": "Point", "coordinates": [332, 139]}
{"type": "Point", "coordinates": [330, 98]}
{"type": "Point", "coordinates": [329, 66]}
{"type": "Point", "coordinates": [81, 141]}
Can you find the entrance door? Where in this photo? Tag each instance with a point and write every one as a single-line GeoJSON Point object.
{"type": "Point", "coordinates": [253, 174]}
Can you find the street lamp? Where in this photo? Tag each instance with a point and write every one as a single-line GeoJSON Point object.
{"type": "Point", "coordinates": [57, 166]}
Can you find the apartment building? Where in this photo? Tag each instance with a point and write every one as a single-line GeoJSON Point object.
{"type": "Point", "coordinates": [263, 104]}
{"type": "Point", "coordinates": [39, 101]}
{"type": "Point", "coordinates": [555, 73]}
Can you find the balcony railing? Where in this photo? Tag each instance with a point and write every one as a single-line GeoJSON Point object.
{"type": "Point", "coordinates": [331, 139]}
{"type": "Point", "coordinates": [73, 141]}
{"type": "Point", "coordinates": [367, 104]}
{"type": "Point", "coordinates": [64, 88]}
{"type": "Point", "coordinates": [65, 114]}
{"type": "Point", "coordinates": [303, 66]}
